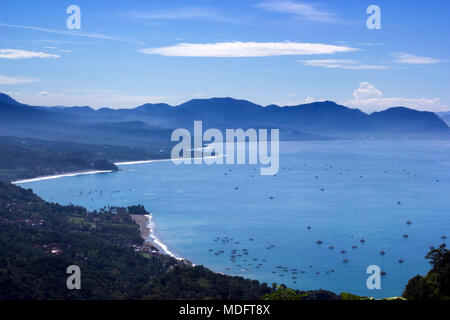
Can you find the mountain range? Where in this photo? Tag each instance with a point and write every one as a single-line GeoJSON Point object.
{"type": "Point", "coordinates": [152, 124]}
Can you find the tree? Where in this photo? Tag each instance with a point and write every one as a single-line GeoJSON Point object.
{"type": "Point", "coordinates": [436, 284]}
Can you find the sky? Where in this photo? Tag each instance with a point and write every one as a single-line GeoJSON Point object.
{"type": "Point", "coordinates": [127, 53]}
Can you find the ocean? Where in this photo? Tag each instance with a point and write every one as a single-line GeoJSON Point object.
{"type": "Point", "coordinates": [327, 215]}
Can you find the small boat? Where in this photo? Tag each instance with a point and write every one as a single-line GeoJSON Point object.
{"type": "Point", "coordinates": [405, 236]}
{"type": "Point", "coordinates": [319, 242]}
{"type": "Point", "coordinates": [382, 252]}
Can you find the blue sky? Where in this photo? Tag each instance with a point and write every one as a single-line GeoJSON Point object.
{"type": "Point", "coordinates": [269, 51]}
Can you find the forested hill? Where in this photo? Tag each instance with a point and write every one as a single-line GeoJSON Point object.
{"type": "Point", "coordinates": [39, 240]}
{"type": "Point", "coordinates": [23, 158]}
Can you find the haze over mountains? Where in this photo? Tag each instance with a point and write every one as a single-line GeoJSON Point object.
{"type": "Point", "coordinates": [444, 116]}
{"type": "Point", "coordinates": [153, 123]}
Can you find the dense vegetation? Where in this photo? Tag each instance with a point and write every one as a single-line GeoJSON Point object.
{"type": "Point", "coordinates": [103, 164]}
{"type": "Point", "coordinates": [39, 240]}
{"type": "Point", "coordinates": [22, 158]}
{"type": "Point", "coordinates": [436, 284]}
{"type": "Point", "coordinates": [283, 293]}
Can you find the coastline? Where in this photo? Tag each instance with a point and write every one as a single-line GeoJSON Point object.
{"type": "Point", "coordinates": [150, 225]}
{"type": "Point", "coordinates": [62, 175]}
{"type": "Point", "coordinates": [146, 225]}
{"type": "Point", "coordinates": [124, 163]}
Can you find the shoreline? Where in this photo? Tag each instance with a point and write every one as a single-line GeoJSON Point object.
{"type": "Point", "coordinates": [83, 172]}
{"type": "Point", "coordinates": [147, 226]}
{"type": "Point", "coordinates": [150, 225]}
{"type": "Point", "coordinates": [61, 175]}
{"type": "Point", "coordinates": [147, 229]}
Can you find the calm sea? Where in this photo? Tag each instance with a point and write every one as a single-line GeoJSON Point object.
{"type": "Point", "coordinates": [235, 221]}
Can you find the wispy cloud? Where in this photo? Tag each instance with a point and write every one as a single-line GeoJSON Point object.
{"type": "Point", "coordinates": [407, 58]}
{"type": "Point", "coordinates": [71, 33]}
{"type": "Point", "coordinates": [368, 98]}
{"type": "Point", "coordinates": [48, 94]}
{"type": "Point", "coordinates": [245, 49]}
{"type": "Point", "coordinates": [24, 54]}
{"type": "Point", "coordinates": [16, 80]}
{"type": "Point", "coordinates": [341, 64]}
{"type": "Point", "coordinates": [302, 10]}
{"type": "Point", "coordinates": [202, 13]}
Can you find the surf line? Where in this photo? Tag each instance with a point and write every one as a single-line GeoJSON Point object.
{"type": "Point", "coordinates": [57, 176]}
{"type": "Point", "coordinates": [160, 160]}
{"type": "Point", "coordinates": [151, 228]}
{"type": "Point", "coordinates": [74, 174]}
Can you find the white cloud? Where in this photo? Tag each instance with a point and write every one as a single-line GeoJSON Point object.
{"type": "Point", "coordinates": [24, 54]}
{"type": "Point", "coordinates": [16, 80]}
{"type": "Point", "coordinates": [291, 101]}
{"type": "Point", "coordinates": [341, 64]}
{"type": "Point", "coordinates": [246, 49]}
{"type": "Point", "coordinates": [12, 93]}
{"type": "Point", "coordinates": [301, 10]}
{"type": "Point", "coordinates": [48, 94]}
{"type": "Point", "coordinates": [182, 14]}
{"type": "Point", "coordinates": [412, 59]}
{"type": "Point", "coordinates": [369, 99]}
{"type": "Point", "coordinates": [366, 91]}
{"type": "Point", "coordinates": [309, 100]}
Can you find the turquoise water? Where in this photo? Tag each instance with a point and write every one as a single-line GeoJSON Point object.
{"type": "Point", "coordinates": [370, 190]}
